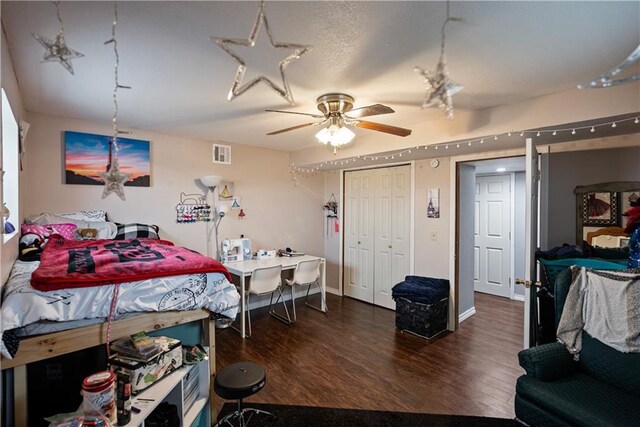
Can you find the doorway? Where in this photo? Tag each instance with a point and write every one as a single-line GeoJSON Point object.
{"type": "Point", "coordinates": [492, 232]}
{"type": "Point", "coordinates": [491, 205]}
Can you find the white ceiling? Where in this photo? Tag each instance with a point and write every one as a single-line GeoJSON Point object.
{"type": "Point", "coordinates": [503, 52]}
{"type": "Point", "coordinates": [510, 164]}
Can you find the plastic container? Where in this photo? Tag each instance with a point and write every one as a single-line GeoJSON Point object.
{"type": "Point", "coordinates": [98, 391]}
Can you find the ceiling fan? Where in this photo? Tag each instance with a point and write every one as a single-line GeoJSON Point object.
{"type": "Point", "coordinates": [338, 113]}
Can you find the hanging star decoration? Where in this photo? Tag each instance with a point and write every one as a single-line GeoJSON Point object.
{"type": "Point", "coordinates": [58, 51]}
{"type": "Point", "coordinates": [237, 87]}
{"type": "Point", "coordinates": [611, 78]}
{"type": "Point", "coordinates": [440, 88]}
{"type": "Point", "coordinates": [114, 180]}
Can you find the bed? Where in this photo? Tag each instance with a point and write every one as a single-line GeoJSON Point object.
{"type": "Point", "coordinates": [70, 316]}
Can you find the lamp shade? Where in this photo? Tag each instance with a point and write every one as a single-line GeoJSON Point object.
{"type": "Point", "coordinates": [211, 180]}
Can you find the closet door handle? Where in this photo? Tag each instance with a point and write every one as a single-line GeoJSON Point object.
{"type": "Point", "coordinates": [358, 241]}
{"type": "Point", "coordinates": [389, 246]}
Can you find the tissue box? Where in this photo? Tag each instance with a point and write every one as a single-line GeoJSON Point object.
{"type": "Point", "coordinates": [266, 253]}
{"type": "Point", "coordinates": [143, 374]}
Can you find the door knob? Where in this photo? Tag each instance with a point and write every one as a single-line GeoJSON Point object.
{"type": "Point", "coordinates": [389, 246]}
{"type": "Point", "coordinates": [527, 283]}
{"type": "Point", "coordinates": [358, 241]}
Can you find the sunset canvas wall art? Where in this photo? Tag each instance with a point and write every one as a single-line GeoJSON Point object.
{"type": "Point", "coordinates": [88, 155]}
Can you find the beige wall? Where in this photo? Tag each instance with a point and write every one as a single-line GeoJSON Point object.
{"type": "Point", "coordinates": [331, 238]}
{"type": "Point", "coordinates": [432, 256]}
{"type": "Point", "coordinates": [9, 248]}
{"type": "Point", "coordinates": [279, 214]}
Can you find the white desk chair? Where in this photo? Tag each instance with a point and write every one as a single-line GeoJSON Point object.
{"type": "Point", "coordinates": [263, 281]}
{"type": "Point", "coordinates": [306, 273]}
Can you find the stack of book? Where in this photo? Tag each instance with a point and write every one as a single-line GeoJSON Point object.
{"type": "Point", "coordinates": [138, 347]}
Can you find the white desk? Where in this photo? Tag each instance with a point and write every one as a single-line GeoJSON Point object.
{"type": "Point", "coordinates": [244, 269]}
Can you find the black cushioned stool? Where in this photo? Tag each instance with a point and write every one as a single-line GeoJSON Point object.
{"type": "Point", "coordinates": [236, 382]}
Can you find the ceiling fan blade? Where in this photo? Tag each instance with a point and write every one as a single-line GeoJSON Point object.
{"type": "Point", "coordinates": [394, 130]}
{"type": "Point", "coordinates": [369, 110]}
{"type": "Point", "coordinates": [317, 116]}
{"type": "Point", "coordinates": [304, 125]}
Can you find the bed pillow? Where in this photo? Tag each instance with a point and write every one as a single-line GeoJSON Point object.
{"type": "Point", "coordinates": [44, 231]}
{"type": "Point", "coordinates": [86, 215]}
{"type": "Point", "coordinates": [134, 231]}
{"type": "Point", "coordinates": [105, 229]}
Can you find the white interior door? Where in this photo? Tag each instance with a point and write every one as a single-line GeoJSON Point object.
{"type": "Point", "coordinates": [532, 177]}
{"type": "Point", "coordinates": [392, 231]}
{"type": "Point", "coordinates": [492, 250]}
{"type": "Point", "coordinates": [359, 242]}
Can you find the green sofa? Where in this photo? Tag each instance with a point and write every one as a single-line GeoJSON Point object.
{"type": "Point", "coordinates": [601, 389]}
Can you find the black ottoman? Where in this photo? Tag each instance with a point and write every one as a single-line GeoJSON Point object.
{"type": "Point", "coordinates": [422, 305]}
{"type": "Point", "coordinates": [236, 382]}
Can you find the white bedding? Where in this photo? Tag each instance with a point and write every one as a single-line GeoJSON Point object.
{"type": "Point", "coordinates": [23, 305]}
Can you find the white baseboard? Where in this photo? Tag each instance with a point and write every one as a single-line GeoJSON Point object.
{"type": "Point", "coordinates": [334, 291]}
{"type": "Point", "coordinates": [464, 316]}
{"type": "Point", "coordinates": [518, 297]}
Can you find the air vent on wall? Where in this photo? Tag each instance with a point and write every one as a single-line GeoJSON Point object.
{"type": "Point", "coordinates": [222, 154]}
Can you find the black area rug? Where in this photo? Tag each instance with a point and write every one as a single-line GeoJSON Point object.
{"type": "Point", "coordinates": [312, 416]}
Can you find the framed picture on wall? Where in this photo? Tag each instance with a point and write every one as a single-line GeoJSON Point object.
{"type": "Point", "coordinates": [600, 208]}
{"type": "Point", "coordinates": [87, 155]}
{"type": "Point", "coordinates": [433, 203]}
{"type": "Point", "coordinates": [626, 197]}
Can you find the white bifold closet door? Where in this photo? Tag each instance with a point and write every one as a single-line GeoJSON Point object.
{"type": "Point", "coordinates": [377, 256]}
{"type": "Point", "coordinates": [359, 241]}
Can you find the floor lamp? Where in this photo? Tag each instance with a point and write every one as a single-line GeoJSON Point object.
{"type": "Point", "coordinates": [211, 182]}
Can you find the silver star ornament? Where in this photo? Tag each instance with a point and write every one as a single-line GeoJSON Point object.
{"type": "Point", "coordinates": [58, 51]}
{"type": "Point", "coordinates": [440, 88]}
{"type": "Point", "coordinates": [237, 88]}
{"type": "Point", "coordinates": [114, 180]}
{"type": "Point", "coordinates": [610, 78]}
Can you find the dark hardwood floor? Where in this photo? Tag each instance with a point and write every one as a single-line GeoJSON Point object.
{"type": "Point", "coordinates": [355, 358]}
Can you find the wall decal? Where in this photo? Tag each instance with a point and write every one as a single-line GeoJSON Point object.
{"type": "Point", "coordinates": [225, 192]}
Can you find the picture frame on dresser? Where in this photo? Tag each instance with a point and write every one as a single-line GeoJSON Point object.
{"type": "Point", "coordinates": [600, 208]}
{"type": "Point", "coordinates": [613, 194]}
{"type": "Point", "coordinates": [625, 201]}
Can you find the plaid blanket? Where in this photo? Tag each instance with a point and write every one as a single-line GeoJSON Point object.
{"type": "Point", "coordinates": [83, 263]}
{"type": "Point", "coordinates": [606, 305]}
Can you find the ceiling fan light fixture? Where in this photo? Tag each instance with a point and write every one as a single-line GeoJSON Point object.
{"type": "Point", "coordinates": [337, 114]}
{"type": "Point", "coordinates": [335, 135]}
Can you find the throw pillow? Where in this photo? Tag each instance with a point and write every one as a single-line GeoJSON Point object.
{"type": "Point", "coordinates": [134, 231]}
{"type": "Point", "coordinates": [44, 231]}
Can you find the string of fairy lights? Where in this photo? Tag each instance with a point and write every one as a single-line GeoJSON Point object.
{"type": "Point", "coordinates": [461, 144]}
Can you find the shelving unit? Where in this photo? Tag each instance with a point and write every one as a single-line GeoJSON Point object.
{"type": "Point", "coordinates": [46, 346]}
{"type": "Point", "coordinates": [174, 389]}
